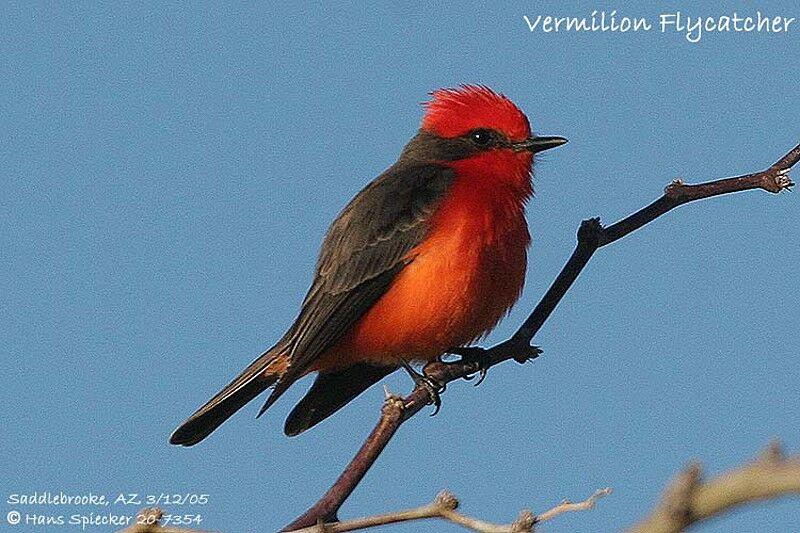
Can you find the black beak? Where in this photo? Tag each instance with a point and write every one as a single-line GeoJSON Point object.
{"type": "Point", "coordinates": [538, 144]}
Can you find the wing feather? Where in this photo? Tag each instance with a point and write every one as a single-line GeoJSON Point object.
{"type": "Point", "coordinates": [364, 250]}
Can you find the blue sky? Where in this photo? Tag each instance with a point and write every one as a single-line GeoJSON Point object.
{"type": "Point", "coordinates": [167, 173]}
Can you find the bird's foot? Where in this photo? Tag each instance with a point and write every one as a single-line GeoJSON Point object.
{"type": "Point", "coordinates": [473, 355]}
{"type": "Point", "coordinates": [522, 350]}
{"type": "Point", "coordinates": [434, 388]}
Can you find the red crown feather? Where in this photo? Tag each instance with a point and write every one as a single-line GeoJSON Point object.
{"type": "Point", "coordinates": [453, 112]}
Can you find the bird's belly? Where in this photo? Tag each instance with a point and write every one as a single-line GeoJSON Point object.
{"type": "Point", "coordinates": [455, 289]}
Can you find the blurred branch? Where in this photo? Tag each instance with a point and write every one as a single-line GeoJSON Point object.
{"type": "Point", "coordinates": [688, 500]}
{"type": "Point", "coordinates": [591, 236]}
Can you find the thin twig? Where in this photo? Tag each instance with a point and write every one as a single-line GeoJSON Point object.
{"type": "Point", "coordinates": [591, 236]}
{"type": "Point", "coordinates": [444, 507]}
{"type": "Point", "coordinates": [569, 507]}
{"type": "Point", "coordinates": [688, 500]}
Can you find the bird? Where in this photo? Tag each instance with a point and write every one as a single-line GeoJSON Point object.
{"type": "Point", "coordinates": [426, 258]}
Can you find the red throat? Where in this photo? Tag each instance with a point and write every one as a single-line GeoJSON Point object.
{"type": "Point", "coordinates": [501, 178]}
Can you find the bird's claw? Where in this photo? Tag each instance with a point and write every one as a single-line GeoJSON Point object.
{"type": "Point", "coordinates": [523, 352]}
{"type": "Point", "coordinates": [472, 354]}
{"type": "Point", "coordinates": [433, 387]}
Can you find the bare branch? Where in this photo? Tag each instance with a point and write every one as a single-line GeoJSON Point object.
{"type": "Point", "coordinates": [569, 507]}
{"type": "Point", "coordinates": [688, 500]}
{"type": "Point", "coordinates": [591, 236]}
{"type": "Point", "coordinates": [444, 507]}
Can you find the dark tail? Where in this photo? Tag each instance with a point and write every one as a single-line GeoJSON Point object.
{"type": "Point", "coordinates": [255, 379]}
{"type": "Point", "coordinates": [331, 392]}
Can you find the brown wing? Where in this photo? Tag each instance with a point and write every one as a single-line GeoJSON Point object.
{"type": "Point", "coordinates": [363, 251]}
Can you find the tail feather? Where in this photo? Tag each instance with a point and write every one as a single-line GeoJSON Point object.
{"type": "Point", "coordinates": [254, 380]}
{"type": "Point", "coordinates": [332, 391]}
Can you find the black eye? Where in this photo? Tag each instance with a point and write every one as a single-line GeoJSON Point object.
{"type": "Point", "coordinates": [481, 137]}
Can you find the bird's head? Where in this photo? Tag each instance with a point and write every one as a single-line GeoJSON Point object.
{"type": "Point", "coordinates": [474, 125]}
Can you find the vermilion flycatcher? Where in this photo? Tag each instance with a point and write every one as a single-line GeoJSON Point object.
{"type": "Point", "coordinates": [426, 258]}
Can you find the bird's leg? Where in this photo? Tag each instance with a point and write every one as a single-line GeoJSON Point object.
{"type": "Point", "coordinates": [433, 387]}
